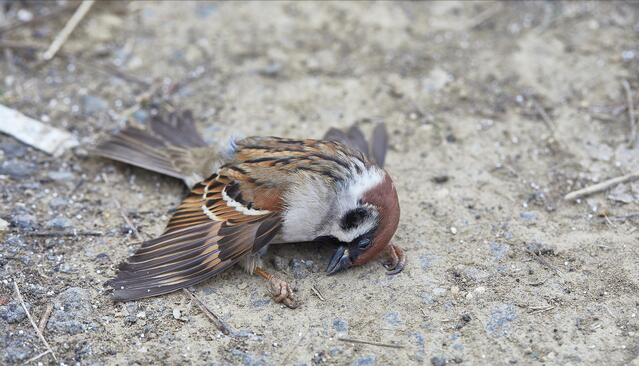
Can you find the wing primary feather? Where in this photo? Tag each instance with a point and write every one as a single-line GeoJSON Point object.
{"type": "Point", "coordinates": [195, 246]}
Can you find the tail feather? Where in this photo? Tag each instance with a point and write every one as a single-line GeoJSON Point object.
{"type": "Point", "coordinates": [172, 146]}
{"type": "Point", "coordinates": [354, 137]}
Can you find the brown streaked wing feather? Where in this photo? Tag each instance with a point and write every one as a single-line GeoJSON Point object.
{"type": "Point", "coordinates": [195, 245]}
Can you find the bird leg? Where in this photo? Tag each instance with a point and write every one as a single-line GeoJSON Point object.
{"type": "Point", "coordinates": [397, 259]}
{"type": "Point", "coordinates": [281, 290]}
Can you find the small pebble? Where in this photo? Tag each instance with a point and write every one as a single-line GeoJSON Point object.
{"type": "Point", "coordinates": [13, 312]}
{"type": "Point", "coordinates": [438, 361]}
{"type": "Point", "coordinates": [59, 223]}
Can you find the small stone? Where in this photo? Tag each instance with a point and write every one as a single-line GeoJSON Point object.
{"type": "Point", "coordinates": [340, 325]}
{"type": "Point", "coordinates": [438, 291]}
{"type": "Point", "coordinates": [440, 179]}
{"type": "Point", "coordinates": [258, 301]}
{"type": "Point", "coordinates": [176, 313]}
{"type": "Point", "coordinates": [13, 150]}
{"type": "Point", "coordinates": [498, 250]}
{"type": "Point", "coordinates": [300, 268]}
{"type": "Point", "coordinates": [13, 312]}
{"type": "Point", "coordinates": [60, 176]}
{"type": "Point", "coordinates": [203, 10]}
{"type": "Point", "coordinates": [92, 104]}
{"type": "Point", "coordinates": [3, 225]}
{"type": "Point", "coordinates": [453, 230]}
{"type": "Point", "coordinates": [540, 248]}
{"type": "Point", "coordinates": [73, 310]}
{"type": "Point", "coordinates": [59, 223]}
{"type": "Point", "coordinates": [17, 351]}
{"type": "Point", "coordinates": [17, 169]}
{"type": "Point", "coordinates": [500, 318]}
{"type": "Point", "coordinates": [278, 262]}
{"type": "Point", "coordinates": [102, 258]}
{"type": "Point", "coordinates": [454, 290]}
{"type": "Point", "coordinates": [393, 318]}
{"type": "Point", "coordinates": [365, 360]}
{"type": "Point", "coordinates": [24, 221]}
{"type": "Point", "coordinates": [528, 216]}
{"type": "Point", "coordinates": [438, 361]}
{"type": "Point", "coordinates": [271, 70]}
{"type": "Point", "coordinates": [57, 202]}
{"type": "Point", "coordinates": [141, 115]}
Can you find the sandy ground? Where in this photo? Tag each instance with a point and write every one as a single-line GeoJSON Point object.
{"type": "Point", "coordinates": [495, 111]}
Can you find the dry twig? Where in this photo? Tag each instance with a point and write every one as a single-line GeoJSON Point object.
{"type": "Point", "coordinates": [317, 293]}
{"type": "Point", "coordinates": [380, 344]}
{"type": "Point", "coordinates": [45, 318]}
{"type": "Point", "coordinates": [35, 327]}
{"type": "Point", "coordinates": [631, 115]}
{"type": "Point", "coordinates": [64, 34]}
{"type": "Point", "coordinates": [209, 314]}
{"type": "Point", "coordinates": [65, 233]}
{"type": "Point", "coordinates": [601, 186]}
{"type": "Point", "coordinates": [36, 19]}
{"type": "Point", "coordinates": [37, 357]}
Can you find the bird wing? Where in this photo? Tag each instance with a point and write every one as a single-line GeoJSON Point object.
{"type": "Point", "coordinates": [208, 233]}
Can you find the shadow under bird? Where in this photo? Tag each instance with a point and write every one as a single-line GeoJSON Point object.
{"type": "Point", "coordinates": [260, 191]}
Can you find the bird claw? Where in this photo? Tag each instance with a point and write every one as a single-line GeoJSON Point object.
{"type": "Point", "coordinates": [397, 260]}
{"type": "Point", "coordinates": [282, 293]}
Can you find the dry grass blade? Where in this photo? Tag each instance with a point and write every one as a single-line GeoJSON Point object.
{"type": "Point", "coordinates": [36, 19]}
{"type": "Point", "coordinates": [35, 327]}
{"type": "Point", "coordinates": [45, 318]}
{"type": "Point", "coordinates": [37, 357]}
{"type": "Point", "coordinates": [601, 186]}
{"type": "Point", "coordinates": [631, 115]}
{"type": "Point", "coordinates": [317, 293]}
{"type": "Point", "coordinates": [65, 233]}
{"type": "Point", "coordinates": [214, 318]}
{"type": "Point", "coordinates": [64, 34]}
{"type": "Point", "coordinates": [372, 343]}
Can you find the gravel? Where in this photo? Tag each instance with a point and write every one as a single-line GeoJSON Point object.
{"type": "Point", "coordinates": [72, 314]}
{"type": "Point", "coordinates": [340, 325]}
{"type": "Point", "coordinates": [13, 312]}
{"type": "Point", "coordinates": [92, 104]}
{"type": "Point", "coordinates": [17, 350]}
{"type": "Point", "coordinates": [438, 361]}
{"type": "Point", "coordinates": [500, 318]}
{"type": "Point", "coordinates": [365, 360]}
{"type": "Point", "coordinates": [59, 223]}
{"type": "Point", "coordinates": [23, 221]}
{"type": "Point", "coordinates": [17, 169]}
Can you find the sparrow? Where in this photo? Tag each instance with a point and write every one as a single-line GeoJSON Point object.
{"type": "Point", "coordinates": [257, 191]}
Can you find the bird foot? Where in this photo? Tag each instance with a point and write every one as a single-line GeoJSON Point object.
{"type": "Point", "coordinates": [396, 261]}
{"type": "Point", "coordinates": [282, 292]}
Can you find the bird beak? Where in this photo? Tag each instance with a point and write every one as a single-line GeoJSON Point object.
{"type": "Point", "coordinates": [340, 260]}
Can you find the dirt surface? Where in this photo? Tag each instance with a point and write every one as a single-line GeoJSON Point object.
{"type": "Point", "coordinates": [496, 111]}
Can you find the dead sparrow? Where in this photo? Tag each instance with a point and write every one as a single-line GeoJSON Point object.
{"type": "Point", "coordinates": [263, 190]}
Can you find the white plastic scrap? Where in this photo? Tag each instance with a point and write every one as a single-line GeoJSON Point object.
{"type": "Point", "coordinates": [34, 133]}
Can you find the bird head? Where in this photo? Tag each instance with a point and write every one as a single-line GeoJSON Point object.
{"type": "Point", "coordinates": [366, 228]}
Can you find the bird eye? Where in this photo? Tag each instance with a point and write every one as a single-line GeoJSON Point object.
{"type": "Point", "coordinates": [363, 243]}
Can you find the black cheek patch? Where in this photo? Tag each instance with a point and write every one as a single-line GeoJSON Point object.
{"type": "Point", "coordinates": [353, 218]}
